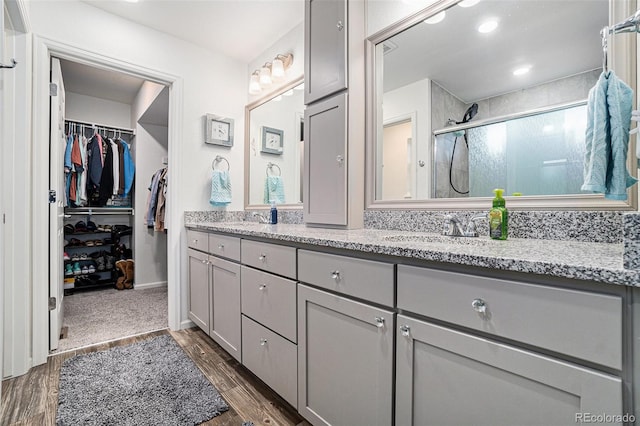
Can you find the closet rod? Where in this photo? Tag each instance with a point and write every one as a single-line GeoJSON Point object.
{"type": "Point", "coordinates": [102, 126]}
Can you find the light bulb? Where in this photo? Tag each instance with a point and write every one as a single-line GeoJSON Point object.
{"type": "Point", "coordinates": [488, 26]}
{"type": "Point", "coordinates": [254, 85]}
{"type": "Point", "coordinates": [435, 18]}
{"type": "Point", "coordinates": [265, 76]}
{"type": "Point", "coordinates": [277, 69]}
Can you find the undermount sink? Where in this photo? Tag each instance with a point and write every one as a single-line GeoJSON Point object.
{"type": "Point", "coordinates": [440, 239]}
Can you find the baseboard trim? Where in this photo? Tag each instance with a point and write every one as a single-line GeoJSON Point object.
{"type": "Point", "coordinates": [143, 286]}
{"type": "Point", "coordinates": [187, 324]}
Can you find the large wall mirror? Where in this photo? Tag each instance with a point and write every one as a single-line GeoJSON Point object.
{"type": "Point", "coordinates": [467, 96]}
{"type": "Point", "coordinates": [273, 148]}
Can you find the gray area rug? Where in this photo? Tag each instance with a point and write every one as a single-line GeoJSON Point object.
{"type": "Point", "coordinates": [99, 316]}
{"type": "Point", "coordinates": [153, 382]}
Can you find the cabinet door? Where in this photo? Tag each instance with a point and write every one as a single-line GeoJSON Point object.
{"type": "Point", "coordinates": [198, 284]}
{"type": "Point", "coordinates": [325, 163]}
{"type": "Point", "coordinates": [225, 305]}
{"type": "Point", "coordinates": [445, 377]}
{"type": "Point", "coordinates": [325, 45]}
{"type": "Point", "coordinates": [345, 360]}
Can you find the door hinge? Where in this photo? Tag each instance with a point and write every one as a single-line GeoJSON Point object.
{"type": "Point", "coordinates": [52, 196]}
{"type": "Point", "coordinates": [53, 303]}
{"type": "Point", "coordinates": [53, 89]}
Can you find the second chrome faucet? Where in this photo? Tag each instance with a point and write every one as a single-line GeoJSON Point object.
{"type": "Point", "coordinates": [454, 226]}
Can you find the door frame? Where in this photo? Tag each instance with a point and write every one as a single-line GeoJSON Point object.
{"type": "Point", "coordinates": [44, 48]}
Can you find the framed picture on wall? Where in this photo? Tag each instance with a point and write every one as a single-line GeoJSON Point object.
{"type": "Point", "coordinates": [218, 130]}
{"type": "Point", "coordinates": [272, 140]}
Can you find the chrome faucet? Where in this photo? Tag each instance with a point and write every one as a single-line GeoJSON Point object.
{"type": "Point", "coordinates": [261, 218]}
{"type": "Point", "coordinates": [454, 227]}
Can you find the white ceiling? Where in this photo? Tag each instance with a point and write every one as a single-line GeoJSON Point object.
{"type": "Point", "coordinates": [240, 29]}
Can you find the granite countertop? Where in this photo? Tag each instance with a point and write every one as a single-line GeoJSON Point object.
{"type": "Point", "coordinates": [601, 262]}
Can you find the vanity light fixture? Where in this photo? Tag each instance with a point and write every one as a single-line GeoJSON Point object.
{"type": "Point", "coordinates": [265, 75]}
{"type": "Point", "coordinates": [468, 3]}
{"type": "Point", "coordinates": [254, 83]}
{"type": "Point", "coordinates": [488, 26]}
{"type": "Point", "coordinates": [521, 70]}
{"type": "Point", "coordinates": [269, 72]}
{"type": "Point", "coordinates": [438, 17]}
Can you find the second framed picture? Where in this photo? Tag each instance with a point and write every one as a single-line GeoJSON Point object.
{"type": "Point", "coordinates": [272, 140]}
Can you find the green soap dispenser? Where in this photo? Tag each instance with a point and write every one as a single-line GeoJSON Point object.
{"type": "Point", "coordinates": [498, 217]}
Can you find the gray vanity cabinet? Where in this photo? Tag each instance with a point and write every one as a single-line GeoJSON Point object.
{"type": "Point", "coordinates": [225, 320]}
{"type": "Point", "coordinates": [214, 288]}
{"type": "Point", "coordinates": [345, 360]}
{"type": "Point", "coordinates": [447, 377]}
{"type": "Point", "coordinates": [325, 38]}
{"type": "Point", "coordinates": [325, 163]}
{"type": "Point", "coordinates": [198, 285]}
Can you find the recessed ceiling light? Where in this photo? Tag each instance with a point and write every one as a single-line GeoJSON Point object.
{"type": "Point", "coordinates": [438, 17]}
{"type": "Point", "coordinates": [487, 27]}
{"type": "Point", "coordinates": [468, 3]}
{"type": "Point", "coordinates": [521, 70]}
{"type": "Point", "coordinates": [131, 1]}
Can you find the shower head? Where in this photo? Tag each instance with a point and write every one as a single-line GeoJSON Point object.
{"type": "Point", "coordinates": [469, 113]}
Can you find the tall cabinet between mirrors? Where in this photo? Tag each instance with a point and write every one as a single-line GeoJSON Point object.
{"type": "Point", "coordinates": [334, 116]}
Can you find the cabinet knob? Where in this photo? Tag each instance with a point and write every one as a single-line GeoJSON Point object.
{"type": "Point", "coordinates": [479, 305]}
{"type": "Point", "coordinates": [262, 287]}
{"type": "Point", "coordinates": [204, 261]}
{"type": "Point", "coordinates": [263, 342]}
{"type": "Point", "coordinates": [262, 257]}
{"type": "Point", "coordinates": [404, 329]}
{"type": "Point", "coordinates": [379, 322]}
{"type": "Point", "coordinates": [335, 275]}
{"type": "Point", "coordinates": [220, 246]}
{"type": "Point", "coordinates": [195, 241]}
{"type": "Point", "coordinates": [339, 160]}
{"type": "Point", "coordinates": [340, 26]}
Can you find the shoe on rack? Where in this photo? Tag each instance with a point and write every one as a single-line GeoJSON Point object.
{"type": "Point", "coordinates": [85, 269]}
{"type": "Point", "coordinates": [69, 229]}
{"type": "Point", "coordinates": [91, 268]}
{"type": "Point", "coordinates": [74, 242]}
{"type": "Point", "coordinates": [100, 263]}
{"type": "Point", "coordinates": [68, 270]}
{"type": "Point", "coordinates": [91, 226]}
{"type": "Point", "coordinates": [109, 261]}
{"type": "Point", "coordinates": [90, 243]}
{"type": "Point", "coordinates": [65, 256]}
{"type": "Point", "coordinates": [81, 226]}
{"type": "Point", "coordinates": [76, 269]}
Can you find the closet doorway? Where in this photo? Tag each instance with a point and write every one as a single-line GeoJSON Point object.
{"type": "Point", "coordinates": [108, 245]}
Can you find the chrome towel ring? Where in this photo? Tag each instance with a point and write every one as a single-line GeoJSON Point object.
{"type": "Point", "coordinates": [217, 160]}
{"type": "Point", "coordinates": [270, 166]}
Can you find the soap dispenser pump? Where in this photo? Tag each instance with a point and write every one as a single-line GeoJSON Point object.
{"type": "Point", "coordinates": [498, 217]}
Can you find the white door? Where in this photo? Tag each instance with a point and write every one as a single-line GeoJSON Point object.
{"type": "Point", "coordinates": [3, 102]}
{"type": "Point", "coordinates": [56, 209]}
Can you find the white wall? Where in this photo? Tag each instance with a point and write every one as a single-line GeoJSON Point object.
{"type": "Point", "coordinates": [415, 99]}
{"type": "Point", "coordinates": [205, 82]}
{"type": "Point", "coordinates": [96, 110]}
{"type": "Point", "coordinates": [151, 144]}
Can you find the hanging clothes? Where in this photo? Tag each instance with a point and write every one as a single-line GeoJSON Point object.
{"type": "Point", "coordinates": [116, 166]}
{"type": "Point", "coordinates": [106, 180]}
{"type": "Point", "coordinates": [152, 197]}
{"type": "Point", "coordinates": [129, 169]}
{"type": "Point", "coordinates": [162, 197]}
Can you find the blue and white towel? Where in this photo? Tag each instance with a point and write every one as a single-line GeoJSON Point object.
{"type": "Point", "coordinates": [220, 188]}
{"type": "Point", "coordinates": [607, 138]}
{"type": "Point", "coordinates": [274, 190]}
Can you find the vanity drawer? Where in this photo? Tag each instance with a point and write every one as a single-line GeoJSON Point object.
{"type": "Point", "coordinates": [272, 358]}
{"type": "Point", "coordinates": [270, 300]}
{"type": "Point", "coordinates": [365, 279]}
{"type": "Point", "coordinates": [198, 240]}
{"type": "Point", "coordinates": [225, 246]}
{"type": "Point", "coordinates": [273, 258]}
{"type": "Point", "coordinates": [576, 323]}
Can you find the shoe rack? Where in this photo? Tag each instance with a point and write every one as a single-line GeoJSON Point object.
{"type": "Point", "coordinates": [94, 241]}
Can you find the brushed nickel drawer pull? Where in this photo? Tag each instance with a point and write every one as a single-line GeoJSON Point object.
{"type": "Point", "coordinates": [335, 275]}
{"type": "Point", "coordinates": [263, 342]}
{"type": "Point", "coordinates": [262, 287]}
{"type": "Point", "coordinates": [220, 246]}
{"type": "Point", "coordinates": [479, 305]}
{"type": "Point", "coordinates": [379, 322]}
{"type": "Point", "coordinates": [405, 330]}
{"type": "Point", "coordinates": [262, 257]}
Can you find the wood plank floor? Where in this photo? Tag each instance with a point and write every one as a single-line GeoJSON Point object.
{"type": "Point", "coordinates": [32, 399]}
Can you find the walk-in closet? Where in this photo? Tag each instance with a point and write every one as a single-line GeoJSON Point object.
{"type": "Point", "coordinates": [109, 191]}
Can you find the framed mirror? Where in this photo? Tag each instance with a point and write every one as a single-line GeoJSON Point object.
{"type": "Point", "coordinates": [467, 96]}
{"type": "Point", "coordinates": [273, 148]}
